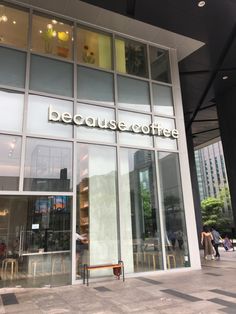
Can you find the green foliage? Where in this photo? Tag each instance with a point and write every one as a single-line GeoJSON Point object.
{"type": "Point", "coordinates": [212, 214]}
{"type": "Point", "coordinates": [146, 199]}
{"type": "Point", "coordinates": [224, 195]}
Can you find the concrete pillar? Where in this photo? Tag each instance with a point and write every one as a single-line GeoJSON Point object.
{"type": "Point", "coordinates": [193, 172]}
{"type": "Point", "coordinates": [226, 107]}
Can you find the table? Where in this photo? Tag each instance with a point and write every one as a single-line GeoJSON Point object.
{"type": "Point", "coordinates": [45, 262]}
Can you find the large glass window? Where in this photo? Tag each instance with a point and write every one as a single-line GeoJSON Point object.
{"type": "Point", "coordinates": [96, 222]}
{"type": "Point", "coordinates": [94, 116]}
{"type": "Point", "coordinates": [48, 165]}
{"type": "Point", "coordinates": [94, 48]}
{"type": "Point", "coordinates": [131, 57]}
{"type": "Point", "coordinates": [95, 86]}
{"type": "Point", "coordinates": [35, 240]}
{"type": "Point", "coordinates": [135, 129]}
{"type": "Point", "coordinates": [163, 142]}
{"type": "Point", "coordinates": [140, 223]}
{"type": "Point", "coordinates": [10, 162]}
{"type": "Point", "coordinates": [51, 76]}
{"type": "Point", "coordinates": [162, 99]}
{"type": "Point", "coordinates": [11, 107]}
{"type": "Point", "coordinates": [14, 27]}
{"type": "Point", "coordinates": [41, 109]}
{"type": "Point", "coordinates": [160, 67]}
{"type": "Point", "coordinates": [12, 65]}
{"type": "Point", "coordinates": [176, 243]}
{"type": "Point", "coordinates": [52, 36]}
{"type": "Point", "coordinates": [133, 94]}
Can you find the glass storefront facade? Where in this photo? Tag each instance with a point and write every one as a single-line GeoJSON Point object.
{"type": "Point", "coordinates": [72, 194]}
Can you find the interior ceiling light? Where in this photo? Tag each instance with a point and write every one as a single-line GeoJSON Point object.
{"type": "Point", "coordinates": [225, 77]}
{"type": "Point", "coordinates": [201, 4]}
{"type": "Point", "coordinates": [4, 18]}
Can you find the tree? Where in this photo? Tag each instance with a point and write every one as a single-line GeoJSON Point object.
{"type": "Point", "coordinates": [224, 195]}
{"type": "Point", "coordinates": [212, 214]}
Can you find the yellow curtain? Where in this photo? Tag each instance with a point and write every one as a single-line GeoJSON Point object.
{"type": "Point", "coordinates": [120, 56]}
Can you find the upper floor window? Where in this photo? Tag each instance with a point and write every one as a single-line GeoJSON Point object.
{"type": "Point", "coordinates": [160, 66]}
{"type": "Point", "coordinates": [52, 36]}
{"type": "Point", "coordinates": [94, 48]}
{"type": "Point", "coordinates": [131, 57]}
{"type": "Point", "coordinates": [13, 26]}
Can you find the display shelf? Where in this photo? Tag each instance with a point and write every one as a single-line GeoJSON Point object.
{"type": "Point", "coordinates": [83, 191]}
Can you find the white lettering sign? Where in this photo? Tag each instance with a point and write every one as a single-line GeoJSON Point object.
{"type": "Point", "coordinates": [92, 122]}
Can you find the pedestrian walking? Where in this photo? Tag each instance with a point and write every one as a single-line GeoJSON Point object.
{"type": "Point", "coordinates": [216, 241]}
{"type": "Point", "coordinates": [206, 241]}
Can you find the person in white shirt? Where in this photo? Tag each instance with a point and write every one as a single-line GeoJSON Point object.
{"type": "Point", "coordinates": [81, 244]}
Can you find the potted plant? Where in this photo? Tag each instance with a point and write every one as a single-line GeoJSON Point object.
{"type": "Point", "coordinates": [62, 48]}
{"type": "Point", "coordinates": [48, 35]}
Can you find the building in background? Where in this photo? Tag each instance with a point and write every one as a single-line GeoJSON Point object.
{"type": "Point", "coordinates": [211, 174]}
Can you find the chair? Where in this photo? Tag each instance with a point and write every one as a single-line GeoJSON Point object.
{"type": "Point", "coordinates": [60, 260]}
{"type": "Point", "coordinates": [34, 265]}
{"type": "Point", "coordinates": [169, 258]}
{"type": "Point", "coordinates": [13, 263]}
{"type": "Point", "coordinates": [138, 257]}
{"type": "Point", "coordinates": [152, 259]}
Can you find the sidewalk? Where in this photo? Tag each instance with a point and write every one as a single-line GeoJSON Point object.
{"type": "Point", "coordinates": [209, 290]}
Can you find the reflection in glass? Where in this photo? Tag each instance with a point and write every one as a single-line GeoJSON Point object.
{"type": "Point", "coordinates": [94, 48]}
{"type": "Point", "coordinates": [13, 26]}
{"type": "Point", "coordinates": [160, 67]}
{"type": "Point", "coordinates": [133, 94]}
{"type": "Point", "coordinates": [12, 65]}
{"type": "Point", "coordinates": [39, 107]}
{"type": "Point", "coordinates": [140, 223]}
{"type": "Point", "coordinates": [11, 106]}
{"type": "Point", "coordinates": [52, 36]}
{"type": "Point", "coordinates": [10, 162]}
{"type": "Point", "coordinates": [95, 133]}
{"type": "Point", "coordinates": [162, 99]}
{"type": "Point", "coordinates": [96, 220]}
{"type": "Point", "coordinates": [162, 142]}
{"type": "Point", "coordinates": [130, 138]}
{"type": "Point", "coordinates": [131, 57]}
{"type": "Point", "coordinates": [51, 76]}
{"type": "Point", "coordinates": [96, 86]}
{"type": "Point", "coordinates": [48, 165]}
{"type": "Point", "coordinates": [176, 243]}
{"type": "Point", "coordinates": [35, 234]}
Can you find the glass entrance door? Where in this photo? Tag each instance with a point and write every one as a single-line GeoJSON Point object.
{"type": "Point", "coordinates": [96, 221]}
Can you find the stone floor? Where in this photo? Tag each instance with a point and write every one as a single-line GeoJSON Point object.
{"type": "Point", "coordinates": [209, 290]}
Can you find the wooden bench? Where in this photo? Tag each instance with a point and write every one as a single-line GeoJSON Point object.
{"type": "Point", "coordinates": [87, 268]}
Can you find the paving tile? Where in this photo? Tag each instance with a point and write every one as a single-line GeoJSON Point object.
{"type": "Point", "coordinates": [223, 292]}
{"type": "Point", "coordinates": [9, 299]}
{"type": "Point", "coordinates": [102, 289]}
{"type": "Point", "coordinates": [148, 280]}
{"type": "Point", "coordinates": [181, 295]}
{"type": "Point", "coordinates": [224, 303]}
{"type": "Point", "coordinates": [227, 310]}
{"type": "Point", "coordinates": [213, 274]}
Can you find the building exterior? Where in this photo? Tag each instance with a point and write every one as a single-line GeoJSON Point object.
{"type": "Point", "coordinates": [211, 173]}
{"type": "Point", "coordinates": [93, 165]}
